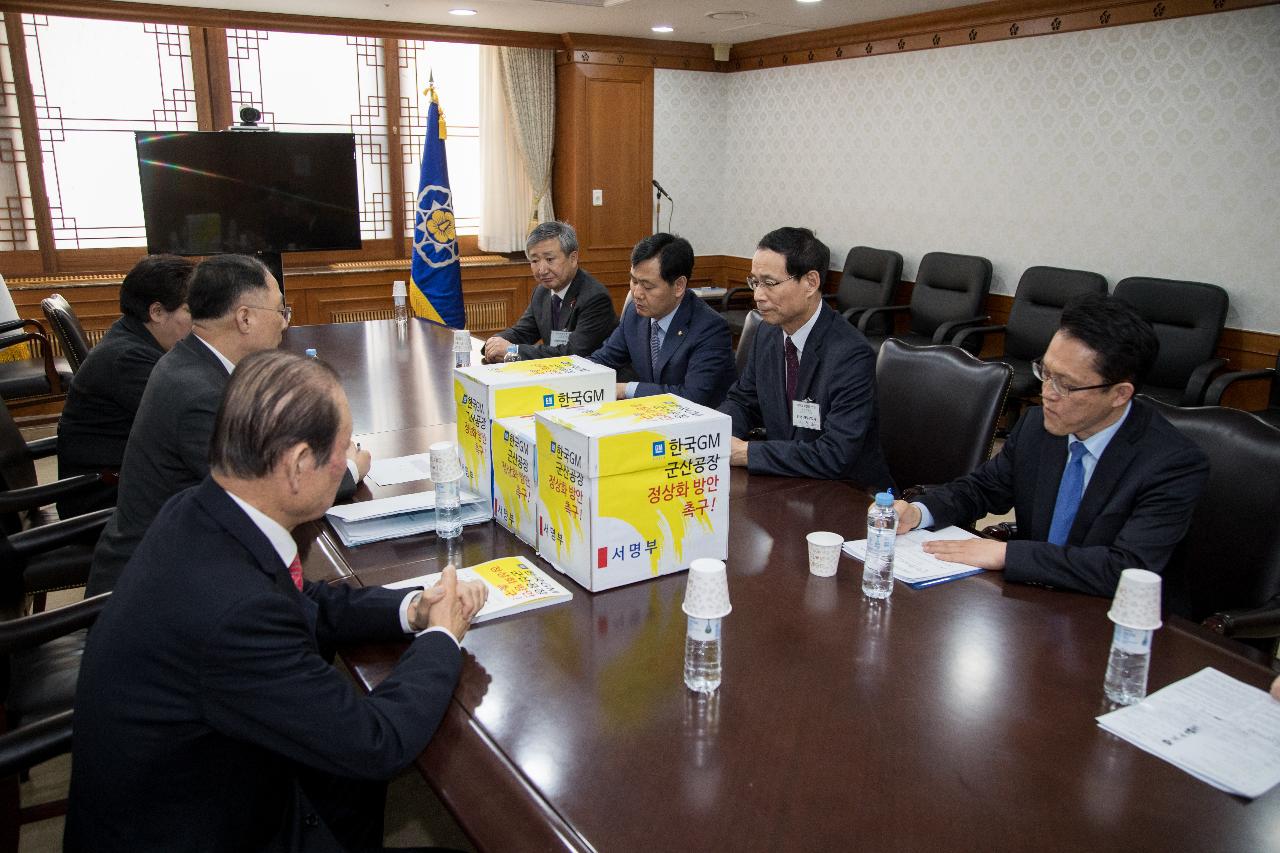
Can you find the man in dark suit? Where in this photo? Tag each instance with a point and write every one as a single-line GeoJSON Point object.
{"type": "Point", "coordinates": [810, 381]}
{"type": "Point", "coordinates": [570, 312]}
{"type": "Point", "coordinates": [668, 336]}
{"type": "Point", "coordinates": [105, 392]}
{"type": "Point", "coordinates": [207, 714]}
{"type": "Point", "coordinates": [1098, 481]}
{"type": "Point", "coordinates": [236, 309]}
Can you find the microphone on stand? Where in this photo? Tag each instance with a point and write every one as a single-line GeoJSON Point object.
{"type": "Point", "coordinates": [657, 186]}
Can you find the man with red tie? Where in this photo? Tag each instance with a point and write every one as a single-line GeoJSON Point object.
{"type": "Point", "coordinates": [810, 381]}
{"type": "Point", "coordinates": [208, 716]}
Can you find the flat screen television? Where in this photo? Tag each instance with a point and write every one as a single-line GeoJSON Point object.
{"type": "Point", "coordinates": [250, 192]}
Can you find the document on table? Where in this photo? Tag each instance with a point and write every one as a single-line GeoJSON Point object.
{"type": "Point", "coordinates": [912, 565]}
{"type": "Point", "coordinates": [401, 469]}
{"type": "Point", "coordinates": [1218, 729]}
{"type": "Point", "coordinates": [403, 515]}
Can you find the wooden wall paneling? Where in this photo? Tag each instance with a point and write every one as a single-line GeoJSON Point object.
{"type": "Point", "coordinates": [15, 33]}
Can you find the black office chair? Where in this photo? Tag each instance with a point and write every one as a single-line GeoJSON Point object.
{"type": "Point", "coordinates": [41, 656]}
{"type": "Point", "coordinates": [38, 376]}
{"type": "Point", "coordinates": [939, 407]}
{"type": "Point", "coordinates": [947, 297]}
{"type": "Point", "coordinates": [1271, 414]}
{"type": "Point", "coordinates": [1229, 562]}
{"type": "Point", "coordinates": [1033, 319]}
{"type": "Point", "coordinates": [746, 339]}
{"type": "Point", "coordinates": [868, 280]}
{"type": "Point", "coordinates": [1188, 317]}
{"type": "Point", "coordinates": [66, 327]}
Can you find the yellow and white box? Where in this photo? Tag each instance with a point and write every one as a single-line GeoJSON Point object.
{"type": "Point", "coordinates": [515, 476]}
{"type": "Point", "coordinates": [485, 392]}
{"type": "Point", "coordinates": [632, 489]}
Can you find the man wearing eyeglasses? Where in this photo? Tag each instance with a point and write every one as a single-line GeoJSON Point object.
{"type": "Point", "coordinates": [236, 309]}
{"type": "Point", "coordinates": [1098, 481]}
{"type": "Point", "coordinates": [810, 381]}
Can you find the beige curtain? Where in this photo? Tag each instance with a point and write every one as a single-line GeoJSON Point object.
{"type": "Point", "coordinates": [504, 210]}
{"type": "Point", "coordinates": [529, 75]}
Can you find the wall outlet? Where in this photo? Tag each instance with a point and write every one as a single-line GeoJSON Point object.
{"type": "Point", "coordinates": [597, 198]}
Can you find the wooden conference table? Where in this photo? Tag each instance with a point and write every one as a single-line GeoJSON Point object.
{"type": "Point", "coordinates": [959, 717]}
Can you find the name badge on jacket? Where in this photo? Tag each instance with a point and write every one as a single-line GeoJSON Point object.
{"type": "Point", "coordinates": [804, 415]}
{"type": "Point", "coordinates": [559, 339]}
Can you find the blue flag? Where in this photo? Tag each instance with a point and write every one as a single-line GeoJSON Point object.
{"type": "Point", "coordinates": [437, 276]}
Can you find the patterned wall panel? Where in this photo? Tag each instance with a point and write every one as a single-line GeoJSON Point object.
{"type": "Point", "coordinates": [1150, 149]}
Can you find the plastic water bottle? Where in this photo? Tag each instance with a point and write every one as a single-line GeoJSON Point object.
{"type": "Point", "coordinates": [1126, 680]}
{"type": "Point", "coordinates": [882, 531]}
{"type": "Point", "coordinates": [702, 655]}
{"type": "Point", "coordinates": [446, 473]}
{"type": "Point", "coordinates": [461, 348]}
{"type": "Point", "coordinates": [399, 295]}
{"type": "Point", "coordinates": [512, 354]}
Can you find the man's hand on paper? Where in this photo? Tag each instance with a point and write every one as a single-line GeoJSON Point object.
{"type": "Point", "coordinates": [980, 553]}
{"type": "Point", "coordinates": [362, 458]}
{"type": "Point", "coordinates": [495, 349]}
{"type": "Point", "coordinates": [450, 604]}
{"type": "Point", "coordinates": [908, 516]}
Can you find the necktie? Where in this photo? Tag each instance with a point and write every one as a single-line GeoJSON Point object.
{"type": "Point", "coordinates": [555, 312]}
{"type": "Point", "coordinates": [1069, 492]}
{"type": "Point", "coordinates": [793, 369]}
{"type": "Point", "coordinates": [295, 572]}
{"type": "Point", "coordinates": [654, 346]}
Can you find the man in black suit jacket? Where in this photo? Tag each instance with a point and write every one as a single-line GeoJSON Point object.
{"type": "Point", "coordinates": [1098, 481]}
{"type": "Point", "coordinates": [810, 380]}
{"type": "Point", "coordinates": [668, 336]}
{"type": "Point", "coordinates": [237, 309]}
{"type": "Point", "coordinates": [570, 312]}
{"type": "Point", "coordinates": [107, 389]}
{"type": "Point", "coordinates": [207, 714]}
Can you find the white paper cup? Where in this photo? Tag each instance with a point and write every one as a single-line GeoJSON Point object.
{"type": "Point", "coordinates": [824, 552]}
{"type": "Point", "coordinates": [461, 340]}
{"type": "Point", "coordinates": [1137, 601]}
{"type": "Point", "coordinates": [444, 462]}
{"type": "Point", "coordinates": [706, 595]}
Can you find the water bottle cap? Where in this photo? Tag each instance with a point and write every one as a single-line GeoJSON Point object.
{"type": "Point", "coordinates": [311, 352]}
{"type": "Point", "coordinates": [884, 499]}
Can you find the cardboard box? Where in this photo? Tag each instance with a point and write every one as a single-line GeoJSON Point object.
{"type": "Point", "coordinates": [484, 392]}
{"type": "Point", "coordinates": [515, 476]}
{"type": "Point", "coordinates": [632, 489]}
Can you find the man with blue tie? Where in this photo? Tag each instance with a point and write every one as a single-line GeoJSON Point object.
{"type": "Point", "coordinates": [1098, 481]}
{"type": "Point", "coordinates": [668, 336]}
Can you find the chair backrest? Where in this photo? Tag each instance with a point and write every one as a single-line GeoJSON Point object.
{"type": "Point", "coordinates": [948, 287]}
{"type": "Point", "coordinates": [1230, 558]}
{"type": "Point", "coordinates": [746, 339]}
{"type": "Point", "coordinates": [1037, 307]}
{"type": "Point", "coordinates": [938, 410]}
{"type": "Point", "coordinates": [1188, 317]}
{"type": "Point", "coordinates": [66, 326]}
{"type": "Point", "coordinates": [868, 278]}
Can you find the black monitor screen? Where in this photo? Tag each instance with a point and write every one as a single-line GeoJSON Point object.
{"type": "Point", "coordinates": [248, 191]}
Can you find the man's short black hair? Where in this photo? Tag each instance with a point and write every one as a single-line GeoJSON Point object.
{"type": "Point", "coordinates": [155, 278]}
{"type": "Point", "coordinates": [802, 249]}
{"type": "Point", "coordinates": [675, 255]}
{"type": "Point", "coordinates": [1124, 344]}
{"type": "Point", "coordinates": [219, 282]}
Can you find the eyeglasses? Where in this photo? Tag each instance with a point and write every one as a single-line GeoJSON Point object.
{"type": "Point", "coordinates": [285, 312]}
{"type": "Point", "coordinates": [753, 282]}
{"type": "Point", "coordinates": [1037, 369]}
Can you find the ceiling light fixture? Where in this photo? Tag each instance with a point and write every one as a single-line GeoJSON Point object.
{"type": "Point", "coordinates": [808, 1]}
{"type": "Point", "coordinates": [663, 29]}
{"type": "Point", "coordinates": [462, 12]}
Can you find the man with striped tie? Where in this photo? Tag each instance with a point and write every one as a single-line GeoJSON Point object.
{"type": "Point", "coordinates": [1098, 481]}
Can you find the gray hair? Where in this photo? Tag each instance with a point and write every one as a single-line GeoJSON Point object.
{"type": "Point", "coordinates": [274, 400]}
{"type": "Point", "coordinates": [561, 231]}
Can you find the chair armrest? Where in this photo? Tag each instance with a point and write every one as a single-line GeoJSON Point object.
{"type": "Point", "coordinates": [965, 333]}
{"type": "Point", "coordinates": [729, 294]}
{"type": "Point", "coordinates": [1004, 531]}
{"type": "Point", "coordinates": [43, 447]}
{"type": "Point", "coordinates": [853, 312]}
{"type": "Point", "coordinates": [868, 313]}
{"type": "Point", "coordinates": [46, 537]}
{"type": "Point", "coordinates": [943, 333]}
{"type": "Point", "coordinates": [45, 350]}
{"type": "Point", "coordinates": [1263, 622]}
{"type": "Point", "coordinates": [1199, 381]}
{"type": "Point", "coordinates": [27, 632]}
{"type": "Point", "coordinates": [1218, 387]}
{"type": "Point", "coordinates": [31, 497]}
{"type": "Point", "coordinates": [35, 743]}
{"type": "Point", "coordinates": [14, 325]}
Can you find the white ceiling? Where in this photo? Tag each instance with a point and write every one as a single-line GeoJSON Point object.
{"type": "Point", "coordinates": [765, 18]}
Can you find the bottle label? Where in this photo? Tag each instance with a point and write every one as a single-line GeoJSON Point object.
{"type": "Point", "coordinates": [703, 630]}
{"type": "Point", "coordinates": [1132, 640]}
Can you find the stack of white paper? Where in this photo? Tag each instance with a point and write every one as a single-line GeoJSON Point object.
{"type": "Point", "coordinates": [401, 469]}
{"type": "Point", "coordinates": [403, 515]}
{"type": "Point", "coordinates": [911, 564]}
{"type": "Point", "coordinates": [1214, 727]}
